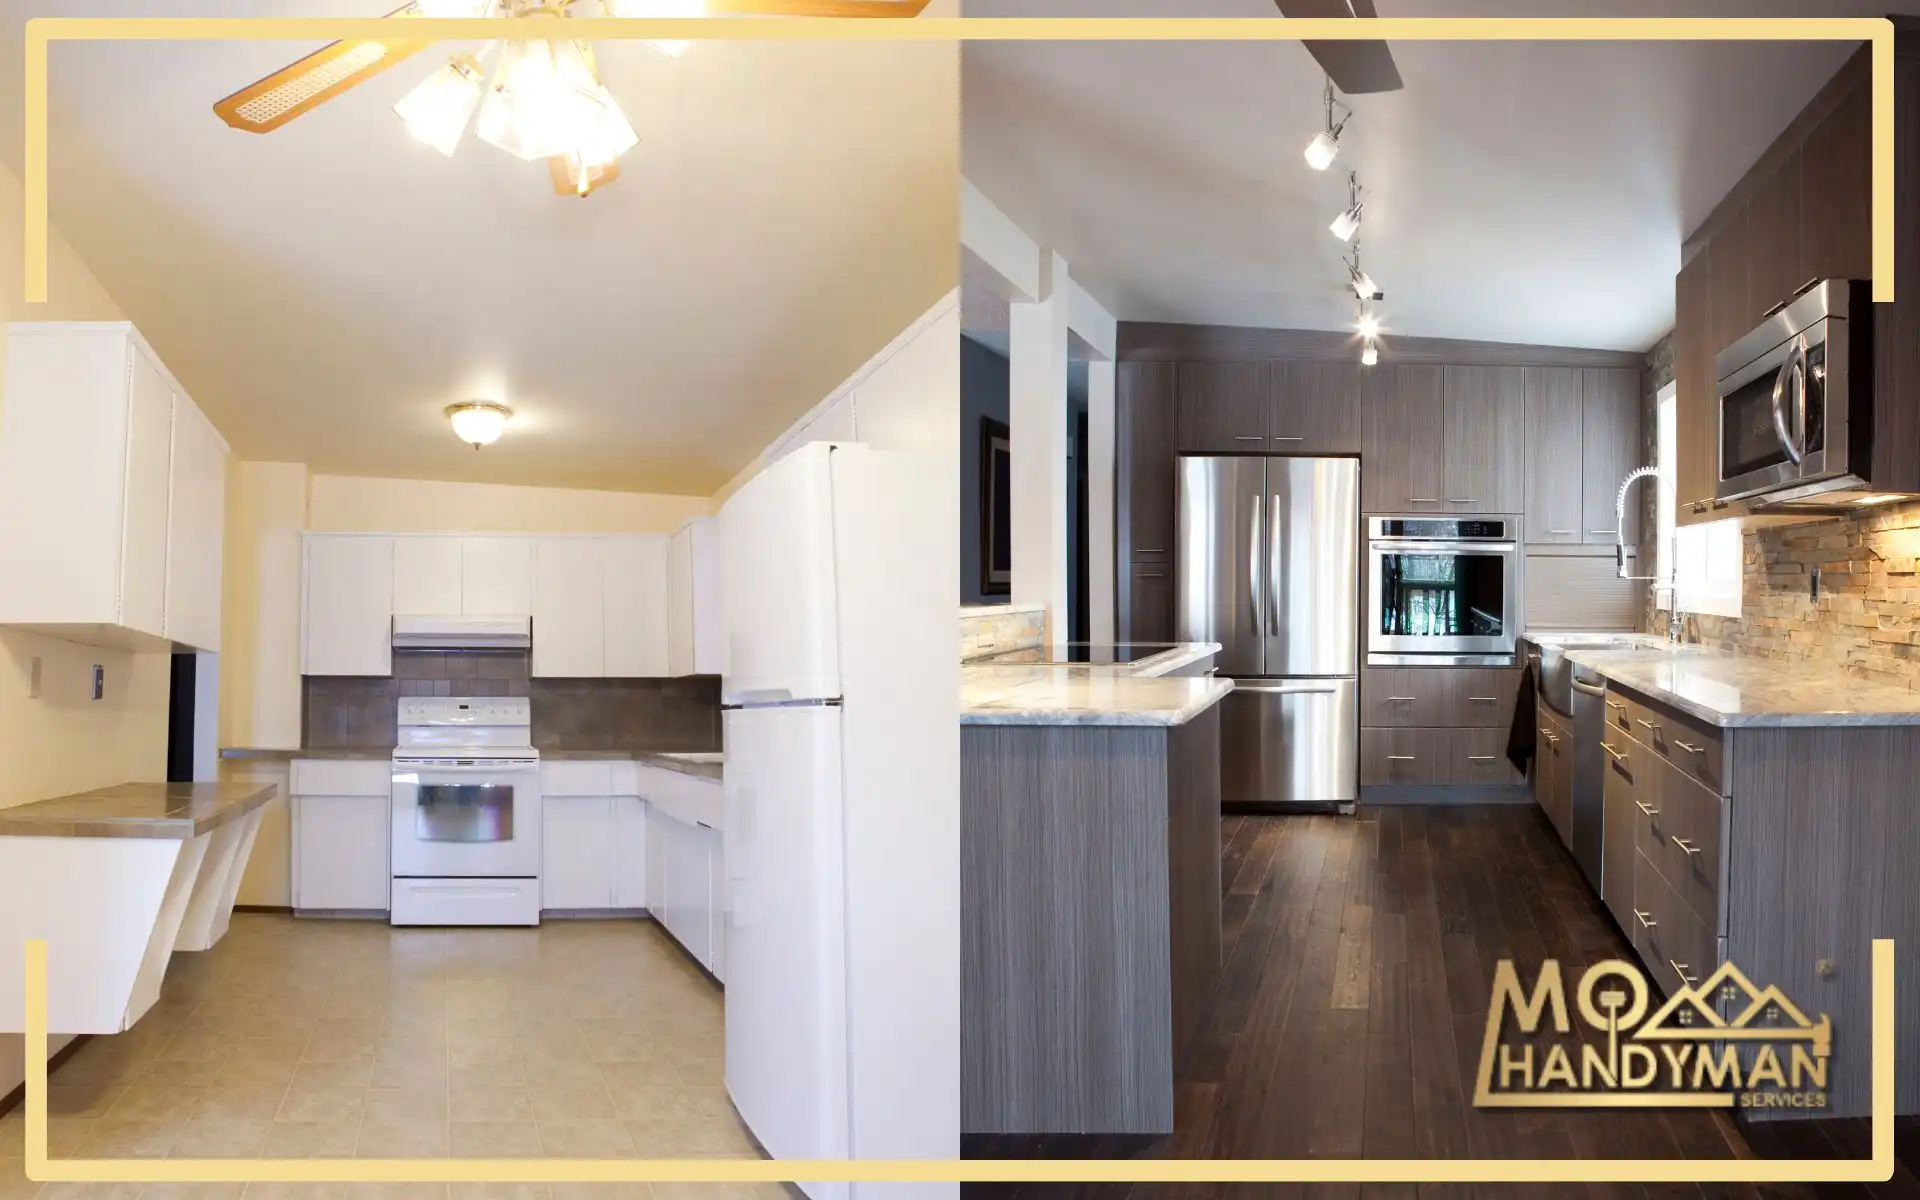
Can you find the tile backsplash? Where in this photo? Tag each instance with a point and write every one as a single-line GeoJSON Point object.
{"type": "Point", "coordinates": [357, 712]}
{"type": "Point", "coordinates": [999, 628]}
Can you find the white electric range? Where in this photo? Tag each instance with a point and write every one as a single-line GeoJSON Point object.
{"type": "Point", "coordinates": [466, 813]}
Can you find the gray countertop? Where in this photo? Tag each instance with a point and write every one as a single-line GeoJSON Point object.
{"type": "Point", "coordinates": [1737, 691]}
{"type": "Point", "coordinates": [272, 754]}
{"type": "Point", "coordinates": [1083, 696]}
{"type": "Point", "coordinates": [167, 811]}
{"type": "Point", "coordinates": [671, 760]}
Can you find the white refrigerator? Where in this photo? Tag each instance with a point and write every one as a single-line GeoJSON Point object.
{"type": "Point", "coordinates": [843, 814]}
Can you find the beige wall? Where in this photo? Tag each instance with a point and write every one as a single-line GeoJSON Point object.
{"type": "Point", "coordinates": [349, 504]}
{"type": "Point", "coordinates": [65, 741]}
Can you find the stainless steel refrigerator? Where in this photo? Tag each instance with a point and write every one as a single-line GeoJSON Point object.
{"type": "Point", "coordinates": [1269, 567]}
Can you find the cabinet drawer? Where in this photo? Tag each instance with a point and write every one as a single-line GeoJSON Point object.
{"type": "Point", "coordinates": [1676, 946]}
{"type": "Point", "coordinates": [1619, 823]}
{"type": "Point", "coordinates": [1404, 756]}
{"type": "Point", "coordinates": [576, 778]}
{"type": "Point", "coordinates": [1553, 773]}
{"type": "Point", "coordinates": [1405, 697]}
{"type": "Point", "coordinates": [1480, 756]}
{"type": "Point", "coordinates": [1681, 832]}
{"type": "Point", "coordinates": [1484, 696]}
{"type": "Point", "coordinates": [1693, 746]}
{"type": "Point", "coordinates": [340, 777]}
{"type": "Point", "coordinates": [1618, 716]}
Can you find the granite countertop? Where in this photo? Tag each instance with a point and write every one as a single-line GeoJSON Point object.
{"type": "Point", "coordinates": [1057, 695]}
{"type": "Point", "coordinates": [176, 811]}
{"type": "Point", "coordinates": [271, 754]}
{"type": "Point", "coordinates": [707, 765]}
{"type": "Point", "coordinates": [702, 764]}
{"type": "Point", "coordinates": [1736, 691]}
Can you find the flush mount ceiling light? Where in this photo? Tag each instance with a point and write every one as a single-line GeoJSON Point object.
{"type": "Point", "coordinates": [1362, 283]}
{"type": "Point", "coordinates": [479, 422]}
{"type": "Point", "coordinates": [545, 99]}
{"type": "Point", "coordinates": [1348, 222]}
{"type": "Point", "coordinates": [1326, 144]}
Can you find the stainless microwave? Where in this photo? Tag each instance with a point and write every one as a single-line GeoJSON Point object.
{"type": "Point", "coordinates": [1796, 400]}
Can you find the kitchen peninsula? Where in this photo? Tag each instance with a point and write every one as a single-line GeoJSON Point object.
{"type": "Point", "coordinates": [115, 880]}
{"type": "Point", "coordinates": [1090, 857]}
{"type": "Point", "coordinates": [1768, 815]}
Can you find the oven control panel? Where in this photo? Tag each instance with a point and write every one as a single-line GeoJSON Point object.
{"type": "Point", "coordinates": [465, 710]}
{"type": "Point", "coordinates": [1445, 529]}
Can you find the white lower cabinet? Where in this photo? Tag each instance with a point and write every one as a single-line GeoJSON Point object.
{"type": "Point", "coordinates": [342, 835]}
{"type": "Point", "coordinates": [576, 853]}
{"type": "Point", "coordinates": [678, 853]}
{"type": "Point", "coordinates": [629, 852]}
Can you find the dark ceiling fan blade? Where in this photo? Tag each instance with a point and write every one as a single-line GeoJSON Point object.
{"type": "Point", "coordinates": [1356, 68]}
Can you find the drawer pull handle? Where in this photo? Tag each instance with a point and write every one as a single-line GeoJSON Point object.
{"type": "Point", "coordinates": [1568, 532]}
{"type": "Point", "coordinates": [1399, 758]}
{"type": "Point", "coordinates": [1144, 550]}
{"type": "Point", "coordinates": [1249, 437]}
{"type": "Point", "coordinates": [1688, 748]}
{"type": "Point", "coordinates": [1479, 758]}
{"type": "Point", "coordinates": [1686, 845]}
{"type": "Point", "coordinates": [1149, 574]}
{"type": "Point", "coordinates": [1605, 532]}
{"type": "Point", "coordinates": [1423, 499]}
{"type": "Point", "coordinates": [1278, 438]}
{"type": "Point", "coordinates": [1615, 704]}
{"type": "Point", "coordinates": [1644, 919]}
{"type": "Point", "coordinates": [1646, 808]}
{"type": "Point", "coordinates": [1680, 969]}
{"type": "Point", "coordinates": [1483, 699]}
{"type": "Point", "coordinates": [1462, 500]}
{"type": "Point", "coordinates": [1617, 756]}
{"type": "Point", "coordinates": [1652, 725]}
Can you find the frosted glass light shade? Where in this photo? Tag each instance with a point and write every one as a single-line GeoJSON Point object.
{"type": "Point", "coordinates": [437, 110]}
{"type": "Point", "coordinates": [480, 423]}
{"type": "Point", "coordinates": [544, 102]}
{"type": "Point", "coordinates": [1346, 224]}
{"type": "Point", "coordinates": [1321, 149]}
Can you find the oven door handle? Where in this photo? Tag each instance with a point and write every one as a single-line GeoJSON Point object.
{"type": "Point", "coordinates": [1414, 545]}
{"type": "Point", "coordinates": [419, 767]}
{"type": "Point", "coordinates": [1795, 368]}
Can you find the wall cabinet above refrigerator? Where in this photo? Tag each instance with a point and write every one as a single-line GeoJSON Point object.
{"type": "Point", "coordinates": [112, 492]}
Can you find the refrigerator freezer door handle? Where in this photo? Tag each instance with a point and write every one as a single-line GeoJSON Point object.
{"type": "Point", "coordinates": [1276, 621]}
{"type": "Point", "coordinates": [1253, 567]}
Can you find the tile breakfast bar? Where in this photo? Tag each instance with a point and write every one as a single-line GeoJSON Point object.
{"type": "Point", "coordinates": [114, 881]}
{"type": "Point", "coordinates": [1090, 860]}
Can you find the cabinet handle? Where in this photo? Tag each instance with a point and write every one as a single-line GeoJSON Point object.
{"type": "Point", "coordinates": [1606, 532]}
{"type": "Point", "coordinates": [1644, 919]}
{"type": "Point", "coordinates": [1689, 749]}
{"type": "Point", "coordinates": [1149, 574]}
{"type": "Point", "coordinates": [1680, 969]}
{"type": "Point", "coordinates": [1400, 758]}
{"type": "Point", "coordinates": [1700, 506]}
{"type": "Point", "coordinates": [1616, 704]}
{"type": "Point", "coordinates": [1138, 550]}
{"type": "Point", "coordinates": [1249, 437]}
{"type": "Point", "coordinates": [1480, 758]}
{"type": "Point", "coordinates": [1686, 845]}
{"type": "Point", "coordinates": [1399, 699]}
{"type": "Point", "coordinates": [1646, 808]}
{"type": "Point", "coordinates": [1568, 532]}
{"type": "Point", "coordinates": [1483, 699]}
{"type": "Point", "coordinates": [1289, 439]}
{"type": "Point", "coordinates": [1423, 499]}
{"type": "Point", "coordinates": [1462, 500]}
{"type": "Point", "coordinates": [1650, 726]}
{"type": "Point", "coordinates": [1617, 756]}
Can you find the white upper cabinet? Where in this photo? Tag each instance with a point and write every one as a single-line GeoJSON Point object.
{"type": "Point", "coordinates": [696, 633]}
{"type": "Point", "coordinates": [426, 577]}
{"type": "Point", "coordinates": [569, 622]}
{"type": "Point", "coordinates": [347, 625]}
{"type": "Point", "coordinates": [634, 591]}
{"type": "Point", "coordinates": [90, 474]}
{"type": "Point", "coordinates": [496, 576]}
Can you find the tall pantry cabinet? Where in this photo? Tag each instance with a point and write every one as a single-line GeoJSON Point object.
{"type": "Point", "coordinates": [112, 492]}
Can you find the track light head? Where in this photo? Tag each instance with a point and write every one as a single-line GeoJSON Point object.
{"type": "Point", "coordinates": [1348, 222]}
{"type": "Point", "coordinates": [1326, 144]}
{"type": "Point", "coordinates": [1370, 355]}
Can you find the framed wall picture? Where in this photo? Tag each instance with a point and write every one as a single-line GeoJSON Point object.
{"type": "Point", "coordinates": [996, 524]}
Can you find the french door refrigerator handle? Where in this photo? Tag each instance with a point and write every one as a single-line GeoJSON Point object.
{"type": "Point", "coordinates": [1274, 616]}
{"type": "Point", "coordinates": [1253, 567]}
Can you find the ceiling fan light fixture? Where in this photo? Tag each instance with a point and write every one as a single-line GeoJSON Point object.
{"type": "Point", "coordinates": [438, 108]}
{"type": "Point", "coordinates": [543, 100]}
{"type": "Point", "coordinates": [661, 8]}
{"type": "Point", "coordinates": [479, 422]}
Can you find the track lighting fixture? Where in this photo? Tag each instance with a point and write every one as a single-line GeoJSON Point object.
{"type": "Point", "coordinates": [1369, 324]}
{"type": "Point", "coordinates": [1362, 283]}
{"type": "Point", "coordinates": [1326, 144]}
{"type": "Point", "coordinates": [1348, 222]}
{"type": "Point", "coordinates": [1370, 354]}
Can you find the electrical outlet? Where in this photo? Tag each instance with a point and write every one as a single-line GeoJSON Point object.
{"type": "Point", "coordinates": [33, 679]}
{"type": "Point", "coordinates": [1813, 586]}
{"type": "Point", "coordinates": [99, 682]}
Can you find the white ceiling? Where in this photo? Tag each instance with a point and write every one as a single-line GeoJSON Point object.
{"type": "Point", "coordinates": [1523, 192]}
{"type": "Point", "coordinates": [326, 290]}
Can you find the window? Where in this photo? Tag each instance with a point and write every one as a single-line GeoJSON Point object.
{"type": "Point", "coordinates": [1707, 556]}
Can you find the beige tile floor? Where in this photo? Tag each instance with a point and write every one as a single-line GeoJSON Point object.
{"type": "Point", "coordinates": [579, 1039]}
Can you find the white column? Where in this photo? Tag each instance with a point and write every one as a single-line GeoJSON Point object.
{"type": "Point", "coordinates": [1037, 408]}
{"type": "Point", "coordinates": [1100, 502]}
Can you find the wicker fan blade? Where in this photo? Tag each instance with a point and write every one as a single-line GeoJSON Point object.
{"type": "Point", "coordinates": [1356, 68]}
{"type": "Point", "coordinates": [566, 180]}
{"type": "Point", "coordinates": [815, 8]}
{"type": "Point", "coordinates": [270, 103]}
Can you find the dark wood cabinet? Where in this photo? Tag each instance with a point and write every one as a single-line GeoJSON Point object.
{"type": "Point", "coordinates": [1222, 407]}
{"type": "Point", "coordinates": [1611, 446]}
{"type": "Point", "coordinates": [1555, 433]}
{"type": "Point", "coordinates": [1836, 197]}
{"type": "Point", "coordinates": [1696, 410]}
{"type": "Point", "coordinates": [1777, 266]}
{"type": "Point", "coordinates": [1402, 412]}
{"type": "Point", "coordinates": [1484, 430]}
{"type": "Point", "coordinates": [1314, 408]}
{"type": "Point", "coordinates": [1148, 615]}
{"type": "Point", "coordinates": [1729, 316]}
{"type": "Point", "coordinates": [1144, 456]}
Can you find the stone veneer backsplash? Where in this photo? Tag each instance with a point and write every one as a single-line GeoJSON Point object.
{"type": "Point", "coordinates": [358, 712]}
{"type": "Point", "coordinates": [1867, 620]}
{"type": "Point", "coordinates": [994, 631]}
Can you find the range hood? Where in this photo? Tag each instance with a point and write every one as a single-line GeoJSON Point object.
{"type": "Point", "coordinates": [462, 633]}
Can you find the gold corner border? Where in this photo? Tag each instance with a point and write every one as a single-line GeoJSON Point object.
{"type": "Point", "coordinates": [1875, 1169]}
{"type": "Point", "coordinates": [41, 32]}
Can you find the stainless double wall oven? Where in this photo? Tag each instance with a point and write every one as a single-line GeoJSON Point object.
{"type": "Point", "coordinates": [1442, 591]}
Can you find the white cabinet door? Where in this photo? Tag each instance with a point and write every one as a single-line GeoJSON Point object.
{"type": "Point", "coordinates": [569, 622]}
{"type": "Point", "coordinates": [196, 531]}
{"type": "Point", "coordinates": [717, 901]}
{"type": "Point", "coordinates": [143, 532]}
{"type": "Point", "coordinates": [426, 576]}
{"type": "Point", "coordinates": [629, 852]}
{"type": "Point", "coordinates": [576, 852]}
{"type": "Point", "coordinates": [680, 856]}
{"type": "Point", "coordinates": [496, 576]}
{"type": "Point", "coordinates": [635, 591]}
{"type": "Point", "coordinates": [696, 633]}
{"type": "Point", "coordinates": [340, 847]}
{"type": "Point", "coordinates": [347, 628]}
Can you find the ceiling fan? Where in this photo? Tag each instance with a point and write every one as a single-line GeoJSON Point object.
{"type": "Point", "coordinates": [1356, 68]}
{"type": "Point", "coordinates": [536, 99]}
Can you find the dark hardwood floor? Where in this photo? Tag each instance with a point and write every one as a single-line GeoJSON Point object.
{"type": "Point", "coordinates": [1346, 1023]}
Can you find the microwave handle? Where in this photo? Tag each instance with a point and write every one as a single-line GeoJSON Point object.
{"type": "Point", "coordinates": [1794, 368]}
